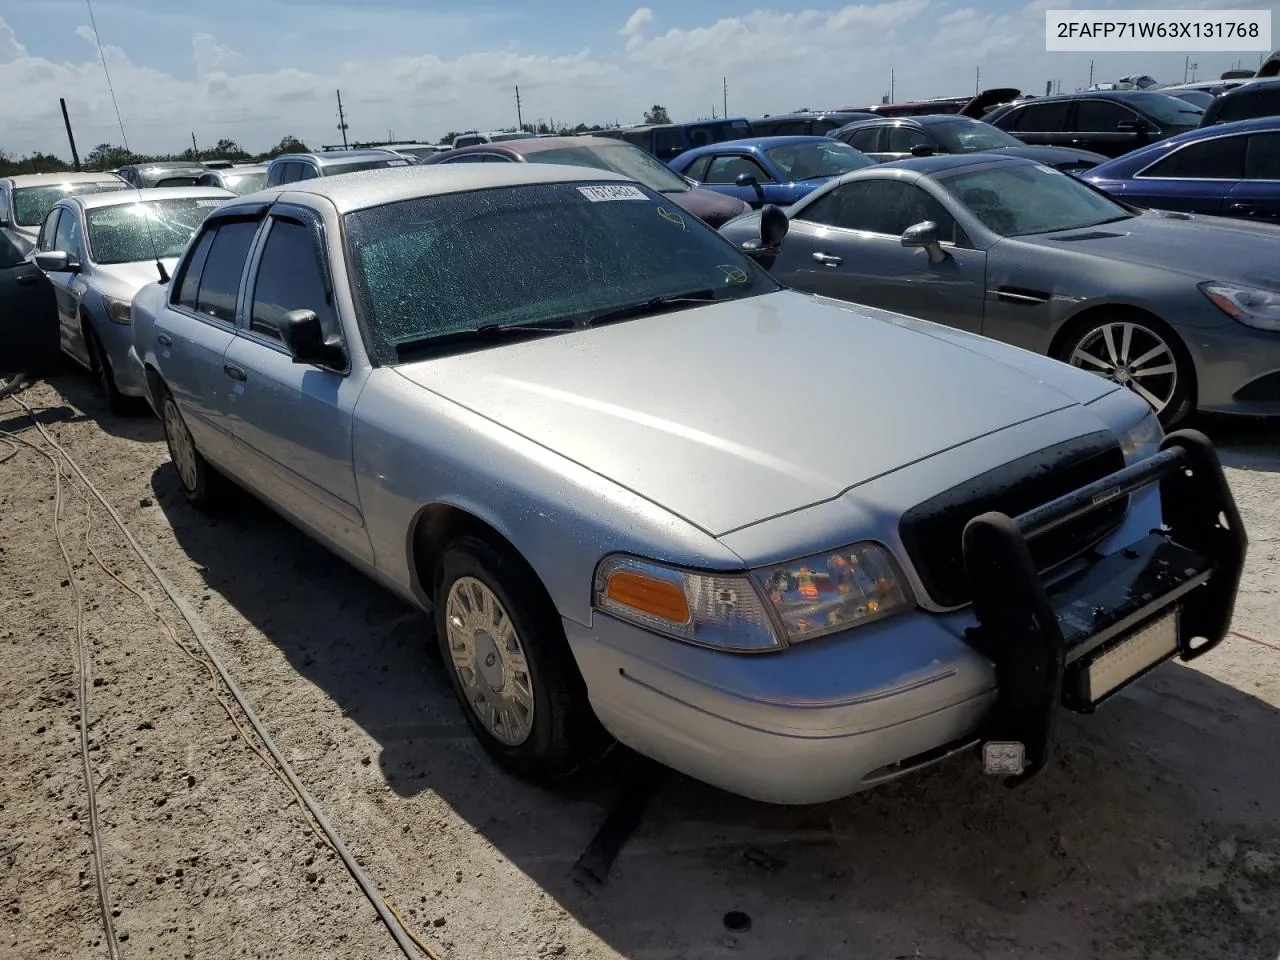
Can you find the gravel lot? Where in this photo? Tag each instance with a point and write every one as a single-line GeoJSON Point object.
{"type": "Point", "coordinates": [1156, 833]}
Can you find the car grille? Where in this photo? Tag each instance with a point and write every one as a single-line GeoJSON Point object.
{"type": "Point", "coordinates": [932, 531]}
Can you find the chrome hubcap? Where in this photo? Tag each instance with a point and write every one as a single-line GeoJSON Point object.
{"type": "Point", "coordinates": [1134, 356]}
{"type": "Point", "coordinates": [181, 450]}
{"type": "Point", "coordinates": [489, 660]}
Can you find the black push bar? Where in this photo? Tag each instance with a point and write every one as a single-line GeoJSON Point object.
{"type": "Point", "coordinates": [1042, 640]}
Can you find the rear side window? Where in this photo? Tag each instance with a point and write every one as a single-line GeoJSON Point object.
{"type": "Point", "coordinates": [289, 278]}
{"type": "Point", "coordinates": [189, 282]}
{"type": "Point", "coordinates": [223, 268]}
{"type": "Point", "coordinates": [1037, 117]}
{"type": "Point", "coordinates": [1262, 161]}
{"type": "Point", "coordinates": [1101, 116]}
{"type": "Point", "coordinates": [1221, 158]}
{"type": "Point", "coordinates": [1261, 103]}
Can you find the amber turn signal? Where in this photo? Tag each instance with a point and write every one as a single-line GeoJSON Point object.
{"type": "Point", "coordinates": [657, 598]}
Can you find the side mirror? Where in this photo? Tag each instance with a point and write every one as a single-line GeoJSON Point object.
{"type": "Point", "coordinates": [1139, 127]}
{"type": "Point", "coordinates": [922, 150]}
{"type": "Point", "coordinates": [773, 230]}
{"type": "Point", "coordinates": [748, 180]}
{"type": "Point", "coordinates": [302, 334]}
{"type": "Point", "coordinates": [925, 236]}
{"type": "Point", "coordinates": [57, 261]}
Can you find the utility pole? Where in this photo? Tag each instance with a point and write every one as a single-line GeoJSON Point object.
{"type": "Point", "coordinates": [195, 151]}
{"type": "Point", "coordinates": [977, 81]}
{"type": "Point", "coordinates": [342, 121]}
{"type": "Point", "coordinates": [891, 100]}
{"type": "Point", "coordinates": [724, 86]}
{"type": "Point", "coordinates": [519, 114]}
{"type": "Point", "coordinates": [66, 119]}
{"type": "Point", "coordinates": [1091, 73]}
{"type": "Point", "coordinates": [1186, 68]}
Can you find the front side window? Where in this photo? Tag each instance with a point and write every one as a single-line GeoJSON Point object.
{"type": "Point", "coordinates": [243, 183]}
{"type": "Point", "coordinates": [49, 230]}
{"type": "Point", "coordinates": [1167, 110]}
{"type": "Point", "coordinates": [423, 268]}
{"type": "Point", "coordinates": [289, 278]}
{"type": "Point", "coordinates": [223, 268]}
{"type": "Point", "coordinates": [726, 169]}
{"type": "Point", "coordinates": [67, 238]}
{"type": "Point", "coordinates": [1101, 116]}
{"type": "Point", "coordinates": [1017, 199]}
{"type": "Point", "coordinates": [150, 230]}
{"type": "Point", "coordinates": [32, 204]}
{"type": "Point", "coordinates": [887, 207]}
{"type": "Point", "coordinates": [1221, 158]}
{"type": "Point", "coordinates": [816, 159]}
{"type": "Point", "coordinates": [188, 285]}
{"type": "Point", "coordinates": [903, 138]}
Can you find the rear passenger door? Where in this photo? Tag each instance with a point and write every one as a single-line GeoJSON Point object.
{"type": "Point", "coordinates": [1257, 196]}
{"type": "Point", "coordinates": [1195, 178]}
{"type": "Point", "coordinates": [194, 331]}
{"type": "Point", "coordinates": [294, 421]}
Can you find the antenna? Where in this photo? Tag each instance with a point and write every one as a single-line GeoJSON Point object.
{"type": "Point", "coordinates": [111, 89]}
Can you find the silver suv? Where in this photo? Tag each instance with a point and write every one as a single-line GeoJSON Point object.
{"type": "Point", "coordinates": [290, 167]}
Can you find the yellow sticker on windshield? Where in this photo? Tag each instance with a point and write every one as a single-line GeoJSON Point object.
{"type": "Point", "coordinates": [733, 274]}
{"type": "Point", "coordinates": [672, 217]}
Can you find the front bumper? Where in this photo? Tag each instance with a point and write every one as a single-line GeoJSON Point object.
{"type": "Point", "coordinates": [1237, 369]}
{"type": "Point", "coordinates": [846, 712]}
{"type": "Point", "coordinates": [117, 340]}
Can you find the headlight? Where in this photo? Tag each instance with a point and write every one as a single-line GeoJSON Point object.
{"type": "Point", "coordinates": [1250, 305]}
{"type": "Point", "coordinates": [1142, 439]}
{"type": "Point", "coordinates": [121, 311]}
{"type": "Point", "coordinates": [756, 611]}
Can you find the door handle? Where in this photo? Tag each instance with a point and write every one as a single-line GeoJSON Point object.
{"type": "Point", "coordinates": [1242, 208]}
{"type": "Point", "coordinates": [234, 372]}
{"type": "Point", "coordinates": [828, 260]}
{"type": "Point", "coordinates": [28, 279]}
{"type": "Point", "coordinates": [164, 340]}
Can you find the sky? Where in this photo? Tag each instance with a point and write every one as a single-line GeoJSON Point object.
{"type": "Point", "coordinates": [256, 70]}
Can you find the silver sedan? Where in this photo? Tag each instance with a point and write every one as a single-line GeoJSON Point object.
{"type": "Point", "coordinates": [647, 493]}
{"type": "Point", "coordinates": [98, 250]}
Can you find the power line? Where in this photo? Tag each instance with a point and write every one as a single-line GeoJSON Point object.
{"type": "Point", "coordinates": [110, 88]}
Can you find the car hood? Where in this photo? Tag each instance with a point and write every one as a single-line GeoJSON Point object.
{"type": "Point", "coordinates": [709, 206]}
{"type": "Point", "coordinates": [123, 280]}
{"type": "Point", "coordinates": [1204, 248]}
{"type": "Point", "coordinates": [1052, 156]}
{"type": "Point", "coordinates": [732, 413]}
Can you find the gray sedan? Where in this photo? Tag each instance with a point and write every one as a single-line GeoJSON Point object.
{"type": "Point", "coordinates": [1183, 310]}
{"type": "Point", "coordinates": [97, 250]}
{"type": "Point", "coordinates": [647, 493]}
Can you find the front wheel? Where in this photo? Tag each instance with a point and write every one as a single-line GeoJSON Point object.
{"type": "Point", "coordinates": [1139, 353]}
{"type": "Point", "coordinates": [510, 664]}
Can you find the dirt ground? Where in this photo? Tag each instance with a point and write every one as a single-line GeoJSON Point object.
{"type": "Point", "coordinates": [1156, 834]}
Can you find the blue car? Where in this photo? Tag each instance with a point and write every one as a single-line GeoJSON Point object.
{"type": "Point", "coordinates": [778, 170]}
{"type": "Point", "coordinates": [1229, 170]}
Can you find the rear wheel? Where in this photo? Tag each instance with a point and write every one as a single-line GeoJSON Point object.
{"type": "Point", "coordinates": [203, 485]}
{"type": "Point", "coordinates": [1141, 354]}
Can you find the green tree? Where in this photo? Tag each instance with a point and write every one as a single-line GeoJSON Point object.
{"type": "Point", "coordinates": [657, 115]}
{"type": "Point", "coordinates": [228, 149]}
{"type": "Point", "coordinates": [288, 144]}
{"type": "Point", "coordinates": [107, 156]}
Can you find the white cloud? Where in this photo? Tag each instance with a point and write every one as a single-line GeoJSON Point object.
{"type": "Point", "coordinates": [10, 48]}
{"type": "Point", "coordinates": [637, 22]}
{"type": "Point", "coordinates": [210, 56]}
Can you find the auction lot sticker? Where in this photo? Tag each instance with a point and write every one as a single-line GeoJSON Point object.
{"type": "Point", "coordinates": [620, 192]}
{"type": "Point", "coordinates": [1189, 31]}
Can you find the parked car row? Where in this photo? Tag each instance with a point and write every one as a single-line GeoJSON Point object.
{"type": "Point", "coordinates": [594, 440]}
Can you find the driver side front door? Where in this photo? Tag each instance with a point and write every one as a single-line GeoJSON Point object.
{"type": "Point", "coordinates": [847, 244]}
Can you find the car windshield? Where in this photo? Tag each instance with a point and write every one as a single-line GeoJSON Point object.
{"type": "Point", "coordinates": [1018, 199]}
{"type": "Point", "coordinates": [971, 136]}
{"type": "Point", "coordinates": [816, 159]}
{"type": "Point", "coordinates": [512, 135]}
{"type": "Point", "coordinates": [422, 153]}
{"type": "Point", "coordinates": [32, 204]}
{"type": "Point", "coordinates": [618, 157]}
{"type": "Point", "coordinates": [354, 166]}
{"type": "Point", "coordinates": [1198, 98]}
{"type": "Point", "coordinates": [178, 182]}
{"type": "Point", "coordinates": [425, 267]}
{"type": "Point", "coordinates": [243, 183]}
{"type": "Point", "coordinates": [1166, 109]}
{"type": "Point", "coordinates": [148, 230]}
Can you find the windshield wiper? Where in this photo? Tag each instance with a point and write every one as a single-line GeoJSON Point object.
{"type": "Point", "coordinates": [485, 333]}
{"type": "Point", "coordinates": [653, 305]}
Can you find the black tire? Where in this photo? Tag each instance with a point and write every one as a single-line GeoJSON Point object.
{"type": "Point", "coordinates": [564, 733]}
{"type": "Point", "coordinates": [11, 383]}
{"type": "Point", "coordinates": [204, 487]}
{"type": "Point", "coordinates": [103, 373]}
{"type": "Point", "coordinates": [1176, 390]}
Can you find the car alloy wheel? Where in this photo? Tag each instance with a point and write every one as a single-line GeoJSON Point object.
{"type": "Point", "coordinates": [1134, 356]}
{"type": "Point", "coordinates": [489, 661]}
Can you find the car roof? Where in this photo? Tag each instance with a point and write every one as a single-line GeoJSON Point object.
{"type": "Point", "coordinates": [923, 121]}
{"type": "Point", "coordinates": [45, 179]}
{"type": "Point", "coordinates": [1247, 88]}
{"type": "Point", "coordinates": [241, 168]}
{"type": "Point", "coordinates": [756, 144]}
{"type": "Point", "coordinates": [115, 198]}
{"type": "Point", "coordinates": [1253, 124]}
{"type": "Point", "coordinates": [374, 188]}
{"type": "Point", "coordinates": [537, 145]}
{"type": "Point", "coordinates": [336, 156]}
{"type": "Point", "coordinates": [941, 162]}
{"type": "Point", "coordinates": [165, 165]}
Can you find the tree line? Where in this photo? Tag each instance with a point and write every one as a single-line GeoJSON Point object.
{"type": "Point", "coordinates": [108, 156]}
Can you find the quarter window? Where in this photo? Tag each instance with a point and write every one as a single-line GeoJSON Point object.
{"type": "Point", "coordinates": [223, 268]}
{"type": "Point", "coordinates": [1221, 158]}
{"type": "Point", "coordinates": [289, 278]}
